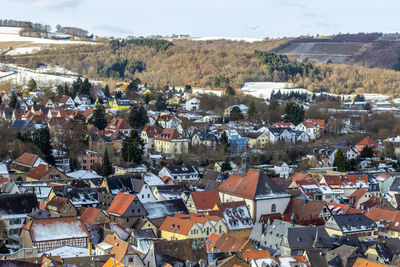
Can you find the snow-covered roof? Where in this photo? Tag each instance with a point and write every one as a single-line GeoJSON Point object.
{"type": "Point", "coordinates": [66, 252]}
{"type": "Point", "coordinates": [151, 179]}
{"type": "Point", "coordinates": [83, 174]}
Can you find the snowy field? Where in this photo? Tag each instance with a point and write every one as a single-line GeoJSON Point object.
{"type": "Point", "coordinates": [28, 45]}
{"type": "Point", "coordinates": [44, 76]}
{"type": "Point", "coordinates": [11, 34]}
{"type": "Point", "coordinates": [264, 89]}
{"type": "Point", "coordinates": [238, 39]}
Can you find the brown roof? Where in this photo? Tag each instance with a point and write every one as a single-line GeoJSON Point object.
{"type": "Point", "coordinates": [152, 130]}
{"type": "Point", "coordinates": [205, 200]}
{"type": "Point", "coordinates": [304, 209]}
{"type": "Point", "coordinates": [26, 159]}
{"type": "Point", "coordinates": [121, 203]}
{"type": "Point", "coordinates": [40, 171]}
{"type": "Point", "coordinates": [57, 202]}
{"type": "Point", "coordinates": [89, 215]}
{"type": "Point", "coordinates": [227, 243]}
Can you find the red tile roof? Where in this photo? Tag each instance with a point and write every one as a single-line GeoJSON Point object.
{"type": "Point", "coordinates": [205, 200]}
{"type": "Point", "coordinates": [40, 171]}
{"type": "Point", "coordinates": [121, 203]}
{"type": "Point", "coordinates": [118, 124]}
{"type": "Point", "coordinates": [152, 130]}
{"type": "Point", "coordinates": [356, 195]}
{"type": "Point", "coordinates": [177, 225]}
{"type": "Point", "coordinates": [367, 141]}
{"type": "Point", "coordinates": [26, 159]}
{"type": "Point", "coordinates": [89, 215]}
{"type": "Point", "coordinates": [169, 135]}
{"type": "Point", "coordinates": [376, 214]}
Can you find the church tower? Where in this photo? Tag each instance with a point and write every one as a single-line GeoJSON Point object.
{"type": "Point", "coordinates": [245, 165]}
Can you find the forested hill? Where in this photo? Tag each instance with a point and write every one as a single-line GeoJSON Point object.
{"type": "Point", "coordinates": [222, 63]}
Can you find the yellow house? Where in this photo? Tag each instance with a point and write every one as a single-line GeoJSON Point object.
{"type": "Point", "coordinates": [119, 104]}
{"type": "Point", "coordinates": [147, 92]}
{"type": "Point", "coordinates": [237, 217]}
{"type": "Point", "coordinates": [192, 225]}
{"type": "Point", "coordinates": [373, 255]}
{"type": "Point", "coordinates": [257, 140]}
{"type": "Point", "coordinates": [173, 101]}
{"type": "Point", "coordinates": [170, 141]}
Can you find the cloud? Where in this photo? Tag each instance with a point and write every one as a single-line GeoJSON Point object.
{"type": "Point", "coordinates": [327, 25]}
{"type": "Point", "coordinates": [112, 30]}
{"type": "Point", "coordinates": [291, 3]}
{"type": "Point", "coordinates": [54, 4]}
{"type": "Point", "coordinates": [311, 15]}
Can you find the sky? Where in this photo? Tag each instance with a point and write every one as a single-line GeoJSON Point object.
{"type": "Point", "coordinates": [210, 18]}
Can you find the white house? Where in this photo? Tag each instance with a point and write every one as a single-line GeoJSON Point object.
{"type": "Point", "coordinates": [282, 169]}
{"type": "Point", "coordinates": [83, 100]}
{"type": "Point", "coordinates": [348, 152]}
{"type": "Point", "coordinates": [180, 173]}
{"type": "Point", "coordinates": [302, 136]}
{"type": "Point", "coordinates": [192, 104]}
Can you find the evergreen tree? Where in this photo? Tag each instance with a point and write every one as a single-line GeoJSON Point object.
{"type": "Point", "coordinates": [13, 100]}
{"type": "Point", "coordinates": [225, 141]}
{"type": "Point", "coordinates": [367, 152]}
{"type": "Point", "coordinates": [132, 148]}
{"type": "Point", "coordinates": [17, 105]}
{"type": "Point", "coordinates": [138, 117]}
{"type": "Point", "coordinates": [340, 161]}
{"type": "Point", "coordinates": [107, 91]}
{"type": "Point", "coordinates": [106, 170]}
{"type": "Point", "coordinates": [188, 88]}
{"type": "Point", "coordinates": [236, 114]}
{"type": "Point", "coordinates": [230, 91]}
{"type": "Point", "coordinates": [85, 87]}
{"type": "Point", "coordinates": [226, 166]}
{"type": "Point", "coordinates": [76, 86]}
{"type": "Point", "coordinates": [32, 85]}
{"type": "Point", "coordinates": [147, 99]}
{"type": "Point", "coordinates": [160, 103]}
{"type": "Point", "coordinates": [294, 113]}
{"type": "Point", "coordinates": [42, 139]}
{"type": "Point", "coordinates": [98, 118]}
{"type": "Point", "coordinates": [252, 110]}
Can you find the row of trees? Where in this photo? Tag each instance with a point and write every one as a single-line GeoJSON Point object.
{"type": "Point", "coordinates": [159, 44]}
{"type": "Point", "coordinates": [72, 30]}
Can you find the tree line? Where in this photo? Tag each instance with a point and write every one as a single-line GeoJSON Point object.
{"type": "Point", "coordinates": [159, 44]}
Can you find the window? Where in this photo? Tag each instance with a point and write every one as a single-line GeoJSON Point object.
{"type": "Point", "coordinates": [273, 208]}
{"type": "Point", "coordinates": [130, 259]}
{"type": "Point", "coordinates": [148, 195]}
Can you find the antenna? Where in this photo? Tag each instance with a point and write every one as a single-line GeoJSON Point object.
{"type": "Point", "coordinates": [251, 29]}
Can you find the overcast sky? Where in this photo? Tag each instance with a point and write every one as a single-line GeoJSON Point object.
{"type": "Point", "coordinates": [219, 18]}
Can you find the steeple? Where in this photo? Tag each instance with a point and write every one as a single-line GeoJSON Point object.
{"type": "Point", "coordinates": [244, 167]}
